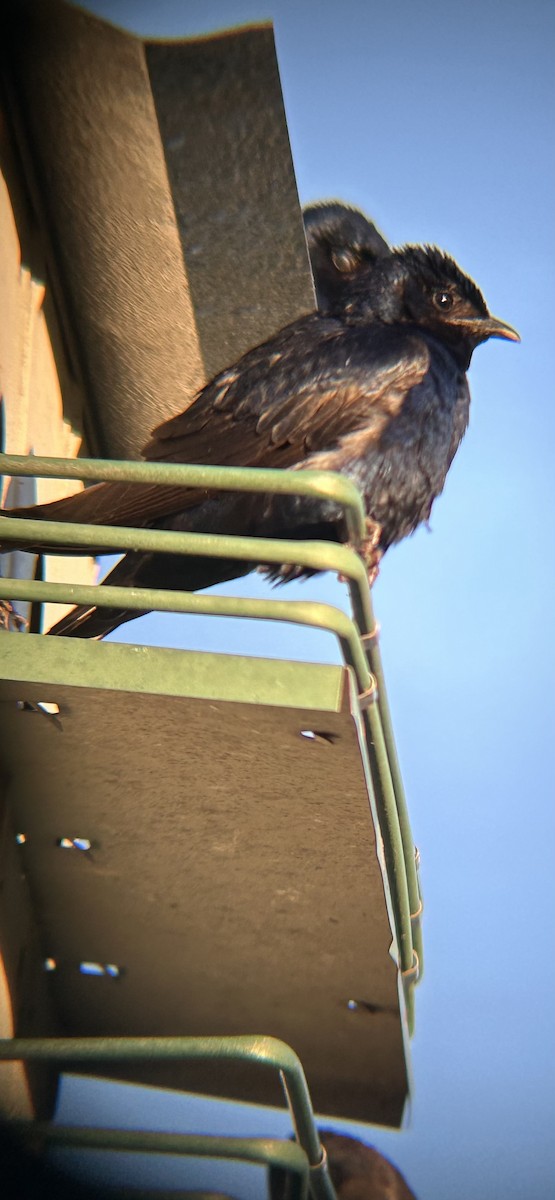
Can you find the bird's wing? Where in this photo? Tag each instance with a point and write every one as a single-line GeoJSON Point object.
{"type": "Point", "coordinates": [316, 387]}
{"type": "Point", "coordinates": [298, 395]}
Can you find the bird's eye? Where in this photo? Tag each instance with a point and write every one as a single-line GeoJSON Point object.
{"type": "Point", "coordinates": [345, 259]}
{"type": "Point", "coordinates": [443, 300]}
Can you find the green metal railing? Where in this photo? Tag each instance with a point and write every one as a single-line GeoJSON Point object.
{"type": "Point", "coordinates": [304, 1159]}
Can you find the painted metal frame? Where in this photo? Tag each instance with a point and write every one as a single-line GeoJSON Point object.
{"type": "Point", "coordinates": [358, 636]}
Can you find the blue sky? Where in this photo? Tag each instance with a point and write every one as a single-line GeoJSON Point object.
{"type": "Point", "coordinates": [437, 118]}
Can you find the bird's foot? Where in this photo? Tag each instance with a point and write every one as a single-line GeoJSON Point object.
{"type": "Point", "coordinates": [283, 574]}
{"type": "Point", "coordinates": [10, 619]}
{"type": "Point", "coordinates": [373, 566]}
{"type": "Point", "coordinates": [369, 550]}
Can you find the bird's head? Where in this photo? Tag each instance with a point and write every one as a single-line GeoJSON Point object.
{"type": "Point", "coordinates": [342, 243]}
{"type": "Point", "coordinates": [422, 286]}
{"type": "Point", "coordinates": [440, 297]}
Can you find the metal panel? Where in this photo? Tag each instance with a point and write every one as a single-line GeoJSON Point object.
{"type": "Point", "coordinates": [224, 134]}
{"type": "Point", "coordinates": [158, 671]}
{"type": "Point", "coordinates": [221, 842]}
{"type": "Point", "coordinates": [172, 254]}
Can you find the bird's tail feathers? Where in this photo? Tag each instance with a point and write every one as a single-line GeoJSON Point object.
{"type": "Point", "coordinates": [88, 621]}
{"type": "Point", "coordinates": [119, 504]}
{"type": "Point", "coordinates": [167, 572]}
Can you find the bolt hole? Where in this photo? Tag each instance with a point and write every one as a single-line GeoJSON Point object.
{"type": "Point", "coordinates": [77, 843]}
{"type": "Point", "coordinates": [46, 706]}
{"type": "Point", "coordinates": [365, 1006]}
{"type": "Point", "coordinates": [319, 735]}
{"type": "Point", "coordinates": [96, 968]}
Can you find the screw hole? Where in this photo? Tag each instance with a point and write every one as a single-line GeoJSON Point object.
{"type": "Point", "coordinates": [365, 1006]}
{"type": "Point", "coordinates": [319, 735]}
{"type": "Point", "coordinates": [96, 968]}
{"type": "Point", "coordinates": [46, 706]}
{"type": "Point", "coordinates": [77, 843]}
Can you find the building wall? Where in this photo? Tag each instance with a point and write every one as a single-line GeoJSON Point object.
{"type": "Point", "coordinates": [32, 402]}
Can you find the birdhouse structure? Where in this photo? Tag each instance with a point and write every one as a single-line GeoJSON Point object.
{"type": "Point", "coordinates": [205, 858]}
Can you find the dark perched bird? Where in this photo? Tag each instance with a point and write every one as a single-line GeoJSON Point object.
{"type": "Point", "coordinates": [358, 1172]}
{"type": "Point", "coordinates": [378, 393]}
{"type": "Point", "coordinates": [341, 242]}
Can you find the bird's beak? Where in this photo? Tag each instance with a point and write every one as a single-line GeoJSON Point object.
{"type": "Point", "coordinates": [493, 327]}
{"type": "Point", "coordinates": [486, 327]}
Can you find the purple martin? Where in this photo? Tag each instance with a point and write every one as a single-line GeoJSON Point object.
{"type": "Point", "coordinates": [342, 242]}
{"type": "Point", "coordinates": [377, 392]}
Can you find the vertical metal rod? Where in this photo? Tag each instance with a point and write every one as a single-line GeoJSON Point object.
{"type": "Point", "coordinates": [373, 652]}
